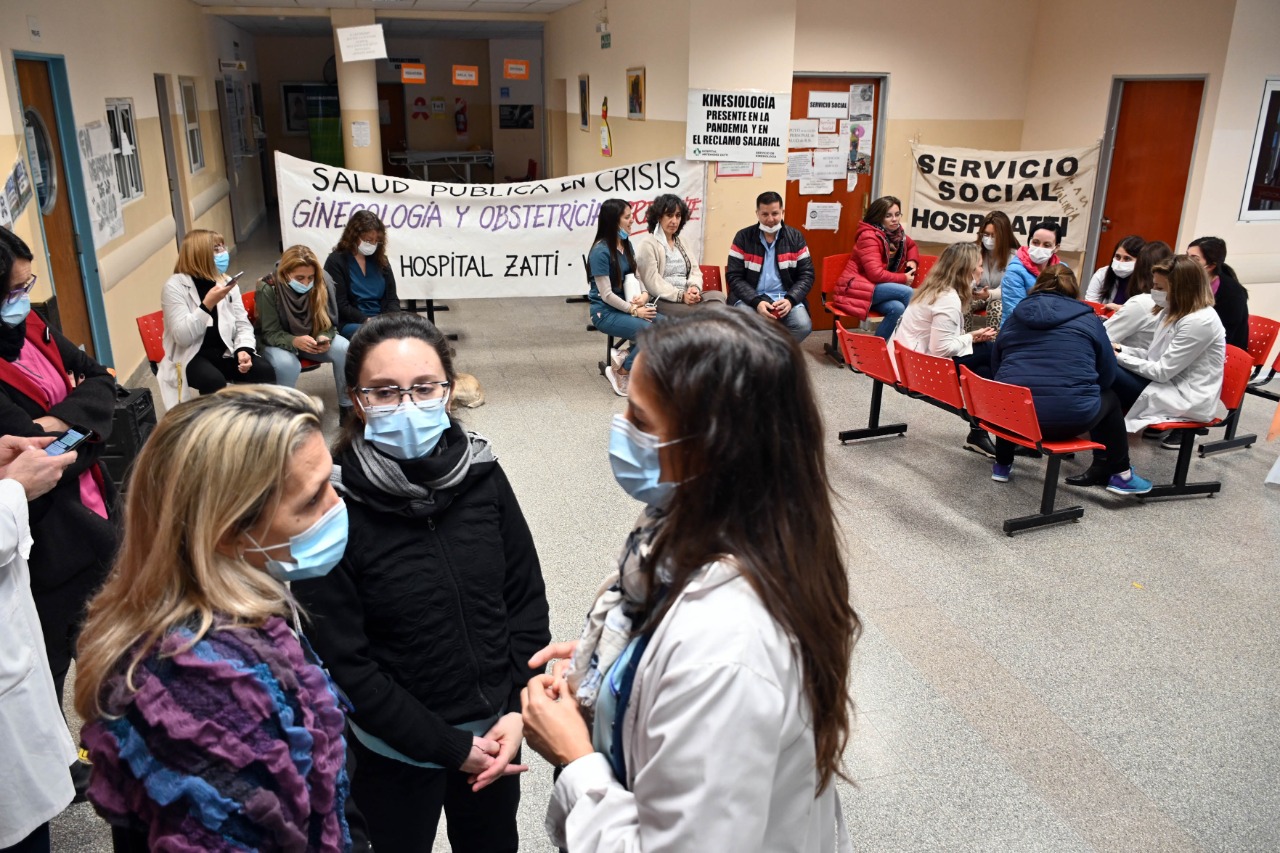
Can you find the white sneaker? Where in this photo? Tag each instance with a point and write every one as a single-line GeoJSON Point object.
{"type": "Point", "coordinates": [616, 357]}
{"type": "Point", "coordinates": [619, 381]}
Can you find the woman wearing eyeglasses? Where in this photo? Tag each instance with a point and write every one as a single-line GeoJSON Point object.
{"type": "Point", "coordinates": [47, 384]}
{"type": "Point", "coordinates": [429, 621]}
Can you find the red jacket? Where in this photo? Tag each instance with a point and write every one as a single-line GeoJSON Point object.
{"type": "Point", "coordinates": [866, 269]}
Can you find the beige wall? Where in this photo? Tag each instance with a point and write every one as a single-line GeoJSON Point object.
{"type": "Point", "coordinates": [150, 37]}
{"type": "Point", "coordinates": [513, 149]}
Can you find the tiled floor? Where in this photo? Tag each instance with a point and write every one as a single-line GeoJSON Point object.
{"type": "Point", "coordinates": [1107, 685]}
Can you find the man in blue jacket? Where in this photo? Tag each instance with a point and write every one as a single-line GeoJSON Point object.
{"type": "Point", "coordinates": [1055, 345]}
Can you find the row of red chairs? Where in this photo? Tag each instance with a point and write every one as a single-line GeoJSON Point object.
{"type": "Point", "coordinates": [1008, 412]}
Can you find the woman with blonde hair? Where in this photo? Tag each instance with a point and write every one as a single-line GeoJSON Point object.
{"type": "Point", "coordinates": [1053, 344]}
{"type": "Point", "coordinates": [296, 311]}
{"type": "Point", "coordinates": [208, 339]}
{"type": "Point", "coordinates": [1179, 377]}
{"type": "Point", "coordinates": [209, 721]}
{"type": "Point", "coordinates": [934, 323]}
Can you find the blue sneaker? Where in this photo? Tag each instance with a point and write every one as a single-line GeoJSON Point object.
{"type": "Point", "coordinates": [1133, 485]}
{"type": "Point", "coordinates": [1001, 473]}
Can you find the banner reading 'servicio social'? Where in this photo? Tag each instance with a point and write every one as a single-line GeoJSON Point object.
{"type": "Point", "coordinates": [458, 241]}
{"type": "Point", "coordinates": [954, 188]}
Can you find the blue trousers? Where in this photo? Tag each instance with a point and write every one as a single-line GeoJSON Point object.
{"type": "Point", "coordinates": [890, 299]}
{"type": "Point", "coordinates": [619, 324]}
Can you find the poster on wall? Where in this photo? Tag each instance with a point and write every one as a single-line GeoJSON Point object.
{"type": "Point", "coordinates": [584, 103]}
{"type": "Point", "coordinates": [17, 188]}
{"type": "Point", "coordinates": [828, 105]}
{"type": "Point", "coordinates": [515, 116]}
{"type": "Point", "coordinates": [952, 189]}
{"type": "Point", "coordinates": [635, 94]}
{"type": "Point", "coordinates": [106, 214]}
{"type": "Point", "coordinates": [862, 101]}
{"type": "Point", "coordinates": [741, 126]}
{"type": "Point", "coordinates": [456, 241]}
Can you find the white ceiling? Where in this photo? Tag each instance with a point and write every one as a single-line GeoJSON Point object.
{"type": "Point", "coordinates": [270, 25]}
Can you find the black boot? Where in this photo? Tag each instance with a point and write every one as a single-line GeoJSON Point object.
{"type": "Point", "coordinates": [1094, 475]}
{"type": "Point", "coordinates": [979, 442]}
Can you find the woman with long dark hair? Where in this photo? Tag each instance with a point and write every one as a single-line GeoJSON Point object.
{"type": "Point", "coordinates": [999, 248]}
{"type": "Point", "coordinates": [727, 619]}
{"type": "Point", "coordinates": [1112, 285]}
{"type": "Point", "coordinates": [611, 260]}
{"type": "Point", "coordinates": [1134, 323]}
{"type": "Point", "coordinates": [360, 273]}
{"type": "Point", "coordinates": [882, 267]}
{"type": "Point", "coordinates": [1230, 299]}
{"type": "Point", "coordinates": [428, 622]}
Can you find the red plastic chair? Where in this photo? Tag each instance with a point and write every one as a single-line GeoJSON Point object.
{"type": "Point", "coordinates": [832, 266]}
{"type": "Point", "coordinates": [1235, 379]}
{"type": "Point", "coordinates": [711, 278]}
{"type": "Point", "coordinates": [1262, 337]}
{"type": "Point", "coordinates": [151, 329]}
{"type": "Point", "coordinates": [250, 301]}
{"type": "Point", "coordinates": [868, 354]}
{"type": "Point", "coordinates": [1098, 308]}
{"type": "Point", "coordinates": [931, 377]}
{"type": "Point", "coordinates": [1009, 412]}
{"type": "Point", "coordinates": [925, 264]}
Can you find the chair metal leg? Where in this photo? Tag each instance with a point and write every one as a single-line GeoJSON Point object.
{"type": "Point", "coordinates": [873, 428]}
{"type": "Point", "coordinates": [1271, 374]}
{"type": "Point", "coordinates": [1047, 515]}
{"type": "Point", "coordinates": [1180, 487]}
{"type": "Point", "coordinates": [832, 349]}
{"type": "Point", "coordinates": [1229, 441]}
{"type": "Point", "coordinates": [582, 298]}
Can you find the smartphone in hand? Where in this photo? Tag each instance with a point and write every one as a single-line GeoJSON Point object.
{"type": "Point", "coordinates": [233, 279]}
{"type": "Point", "coordinates": [68, 441]}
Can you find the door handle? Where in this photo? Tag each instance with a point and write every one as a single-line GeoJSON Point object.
{"type": "Point", "coordinates": [1106, 224]}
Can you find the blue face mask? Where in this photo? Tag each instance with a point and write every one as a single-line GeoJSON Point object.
{"type": "Point", "coordinates": [222, 260]}
{"type": "Point", "coordinates": [407, 431]}
{"type": "Point", "coordinates": [12, 314]}
{"type": "Point", "coordinates": [299, 287]}
{"type": "Point", "coordinates": [623, 234]}
{"type": "Point", "coordinates": [633, 454]}
{"type": "Point", "coordinates": [315, 551]}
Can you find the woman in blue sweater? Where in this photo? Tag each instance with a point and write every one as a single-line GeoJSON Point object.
{"type": "Point", "coordinates": [1040, 253]}
{"type": "Point", "coordinates": [1055, 345]}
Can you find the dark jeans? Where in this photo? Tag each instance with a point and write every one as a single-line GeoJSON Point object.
{"type": "Point", "coordinates": [210, 375]}
{"type": "Point", "coordinates": [1128, 386]}
{"type": "Point", "coordinates": [401, 805]}
{"type": "Point", "coordinates": [1107, 428]}
{"type": "Point", "coordinates": [36, 842]}
{"type": "Point", "coordinates": [979, 361]}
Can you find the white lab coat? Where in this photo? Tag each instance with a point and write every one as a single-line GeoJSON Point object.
{"type": "Point", "coordinates": [1134, 325]}
{"type": "Point", "coordinates": [1097, 289]}
{"type": "Point", "coordinates": [720, 755]}
{"type": "Point", "coordinates": [35, 746]}
{"type": "Point", "coordinates": [184, 326]}
{"type": "Point", "coordinates": [1185, 365]}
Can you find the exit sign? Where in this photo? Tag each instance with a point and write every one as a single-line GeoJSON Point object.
{"type": "Point", "coordinates": [606, 39]}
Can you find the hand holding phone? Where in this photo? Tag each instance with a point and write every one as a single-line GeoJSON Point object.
{"type": "Point", "coordinates": [69, 440]}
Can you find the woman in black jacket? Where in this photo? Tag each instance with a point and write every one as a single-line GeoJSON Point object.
{"type": "Point", "coordinates": [47, 384]}
{"type": "Point", "coordinates": [1230, 299]}
{"type": "Point", "coordinates": [360, 273]}
{"type": "Point", "coordinates": [429, 621]}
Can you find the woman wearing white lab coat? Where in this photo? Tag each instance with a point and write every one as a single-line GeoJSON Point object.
{"type": "Point", "coordinates": [35, 746]}
{"type": "Point", "coordinates": [1179, 378]}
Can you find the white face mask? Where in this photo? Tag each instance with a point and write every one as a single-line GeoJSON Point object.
{"type": "Point", "coordinates": [1123, 268]}
{"type": "Point", "coordinates": [367, 249]}
{"type": "Point", "coordinates": [771, 229]}
{"type": "Point", "coordinates": [1160, 297]}
{"type": "Point", "coordinates": [1040, 254]}
{"type": "Point", "coordinates": [988, 243]}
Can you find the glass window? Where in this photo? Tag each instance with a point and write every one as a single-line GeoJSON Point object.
{"type": "Point", "coordinates": [44, 171]}
{"type": "Point", "coordinates": [191, 118]}
{"type": "Point", "coordinates": [124, 147]}
{"type": "Point", "coordinates": [1262, 188]}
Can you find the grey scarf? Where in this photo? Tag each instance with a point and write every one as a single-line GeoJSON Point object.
{"type": "Point", "coordinates": [386, 475]}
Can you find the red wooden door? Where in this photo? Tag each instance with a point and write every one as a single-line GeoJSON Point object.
{"type": "Point", "coordinates": [1151, 162]}
{"type": "Point", "coordinates": [395, 134]}
{"type": "Point", "coordinates": [59, 231]}
{"type": "Point", "coordinates": [853, 201]}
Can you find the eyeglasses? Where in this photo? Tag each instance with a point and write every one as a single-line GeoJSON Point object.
{"type": "Point", "coordinates": [18, 292]}
{"type": "Point", "coordinates": [391, 395]}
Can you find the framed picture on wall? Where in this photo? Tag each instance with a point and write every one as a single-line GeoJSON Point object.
{"type": "Point", "coordinates": [293, 104]}
{"type": "Point", "coordinates": [584, 102]}
{"type": "Point", "coordinates": [635, 94]}
{"type": "Point", "coordinates": [1262, 188]}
